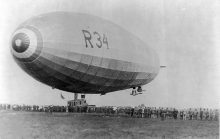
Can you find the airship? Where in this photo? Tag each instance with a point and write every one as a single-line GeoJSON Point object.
{"type": "Point", "coordinates": [81, 53]}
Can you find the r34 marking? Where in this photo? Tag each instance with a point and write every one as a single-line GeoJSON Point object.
{"type": "Point", "coordinates": [95, 39]}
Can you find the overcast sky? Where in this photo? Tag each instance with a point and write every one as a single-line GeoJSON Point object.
{"type": "Point", "coordinates": [183, 32]}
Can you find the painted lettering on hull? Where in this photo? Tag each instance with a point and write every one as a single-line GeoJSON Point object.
{"type": "Point", "coordinates": [95, 39]}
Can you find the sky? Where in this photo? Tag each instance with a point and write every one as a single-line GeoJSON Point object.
{"type": "Point", "coordinates": [184, 33]}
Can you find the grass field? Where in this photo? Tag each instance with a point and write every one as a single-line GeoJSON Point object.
{"type": "Point", "coordinates": [63, 125]}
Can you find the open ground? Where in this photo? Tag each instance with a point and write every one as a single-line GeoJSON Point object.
{"type": "Point", "coordinates": [76, 126]}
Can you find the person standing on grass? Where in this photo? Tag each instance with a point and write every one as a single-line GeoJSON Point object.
{"type": "Point", "coordinates": [216, 115]}
{"type": "Point", "coordinates": [211, 114]}
{"type": "Point", "coordinates": [196, 114]}
{"type": "Point", "coordinates": [167, 113]}
{"type": "Point", "coordinates": [145, 112]}
{"type": "Point", "coordinates": [175, 113]}
{"type": "Point", "coordinates": [162, 115]}
{"type": "Point", "coordinates": [184, 114]}
{"type": "Point", "coordinates": [158, 112]}
{"type": "Point", "coordinates": [142, 112]}
{"type": "Point", "coordinates": [190, 114]}
{"type": "Point", "coordinates": [132, 112]}
{"type": "Point", "coordinates": [204, 114]}
{"type": "Point", "coordinates": [153, 112]}
{"type": "Point", "coordinates": [207, 114]}
{"type": "Point", "coordinates": [201, 114]}
{"type": "Point", "coordinates": [181, 114]}
{"type": "Point", "coordinates": [193, 114]}
{"type": "Point", "coordinates": [149, 112]}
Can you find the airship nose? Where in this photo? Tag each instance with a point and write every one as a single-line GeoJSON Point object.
{"type": "Point", "coordinates": [26, 44]}
{"type": "Point", "coordinates": [20, 42]}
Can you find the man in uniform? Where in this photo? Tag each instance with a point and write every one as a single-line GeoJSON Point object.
{"type": "Point", "coordinates": [132, 111]}
{"type": "Point", "coordinates": [184, 114]}
{"type": "Point", "coordinates": [181, 114]}
{"type": "Point", "coordinates": [162, 114]}
{"type": "Point", "coordinates": [157, 112]}
{"type": "Point", "coordinates": [196, 114]}
{"type": "Point", "coordinates": [190, 114]}
{"type": "Point", "coordinates": [145, 112]}
{"type": "Point", "coordinates": [216, 114]}
{"type": "Point", "coordinates": [175, 112]}
{"type": "Point", "coordinates": [207, 114]}
{"type": "Point", "coordinates": [201, 114]}
{"type": "Point", "coordinates": [142, 112]}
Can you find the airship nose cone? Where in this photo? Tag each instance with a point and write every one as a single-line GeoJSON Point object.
{"type": "Point", "coordinates": [26, 44]}
{"type": "Point", "coordinates": [20, 42]}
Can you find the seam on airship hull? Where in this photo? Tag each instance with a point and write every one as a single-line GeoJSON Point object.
{"type": "Point", "coordinates": [37, 52]}
{"type": "Point", "coordinates": [89, 60]}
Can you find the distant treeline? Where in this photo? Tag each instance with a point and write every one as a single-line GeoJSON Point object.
{"type": "Point", "coordinates": [136, 112]}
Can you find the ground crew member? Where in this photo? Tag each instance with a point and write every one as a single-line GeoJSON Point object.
{"type": "Point", "coordinates": [207, 114]}
{"type": "Point", "coordinates": [201, 114]}
{"type": "Point", "coordinates": [184, 114]}
{"type": "Point", "coordinates": [132, 112]}
{"type": "Point", "coordinates": [196, 114]}
{"type": "Point", "coordinates": [142, 112]}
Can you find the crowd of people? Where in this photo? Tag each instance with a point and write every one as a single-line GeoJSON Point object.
{"type": "Point", "coordinates": [136, 112]}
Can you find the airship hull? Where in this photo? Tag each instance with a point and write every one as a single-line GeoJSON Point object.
{"type": "Point", "coordinates": [80, 53]}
